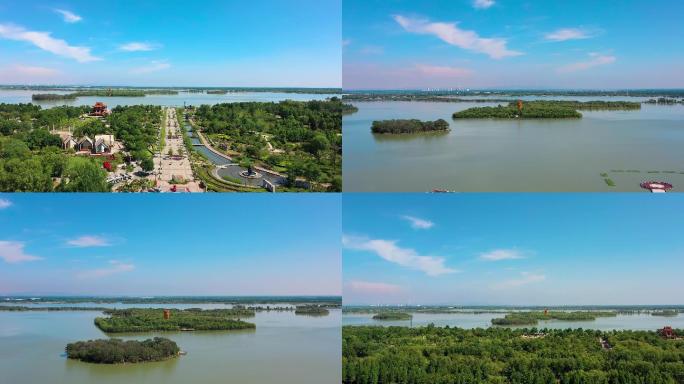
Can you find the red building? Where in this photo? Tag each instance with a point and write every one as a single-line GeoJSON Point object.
{"type": "Point", "coordinates": [667, 333]}
{"type": "Point", "coordinates": [99, 109]}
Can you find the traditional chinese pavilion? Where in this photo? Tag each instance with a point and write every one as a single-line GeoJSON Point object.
{"type": "Point", "coordinates": [99, 109]}
{"type": "Point", "coordinates": [667, 332]}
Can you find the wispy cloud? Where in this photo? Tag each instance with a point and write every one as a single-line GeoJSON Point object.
{"type": "Point", "coordinates": [13, 252]}
{"type": "Point", "coordinates": [372, 50]}
{"type": "Point", "coordinates": [136, 46]}
{"type": "Point", "coordinates": [154, 66]}
{"type": "Point", "coordinates": [483, 4]}
{"type": "Point", "coordinates": [452, 34]}
{"type": "Point", "coordinates": [4, 203]}
{"type": "Point", "coordinates": [115, 267]}
{"type": "Point", "coordinates": [406, 257]}
{"type": "Point", "coordinates": [44, 41]}
{"type": "Point", "coordinates": [418, 223]}
{"type": "Point", "coordinates": [502, 254]}
{"type": "Point", "coordinates": [567, 34]}
{"type": "Point", "coordinates": [443, 71]}
{"type": "Point", "coordinates": [524, 279]}
{"type": "Point", "coordinates": [595, 60]}
{"type": "Point", "coordinates": [346, 42]}
{"type": "Point", "coordinates": [68, 16]}
{"type": "Point", "coordinates": [89, 241]}
{"type": "Point", "coordinates": [369, 287]}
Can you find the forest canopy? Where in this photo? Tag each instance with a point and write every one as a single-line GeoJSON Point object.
{"type": "Point", "coordinates": [374, 355]}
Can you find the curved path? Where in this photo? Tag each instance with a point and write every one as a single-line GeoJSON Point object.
{"type": "Point", "coordinates": [233, 170]}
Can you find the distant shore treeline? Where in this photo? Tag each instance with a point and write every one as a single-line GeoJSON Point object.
{"type": "Point", "coordinates": [101, 93]}
{"type": "Point", "coordinates": [329, 301]}
{"type": "Point", "coordinates": [417, 94]}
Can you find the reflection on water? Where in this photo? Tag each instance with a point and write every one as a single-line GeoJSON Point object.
{"type": "Point", "coordinates": [514, 155]}
{"type": "Point", "coordinates": [284, 348]}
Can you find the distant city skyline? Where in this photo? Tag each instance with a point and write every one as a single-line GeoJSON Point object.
{"type": "Point", "coordinates": [512, 249]}
{"type": "Point", "coordinates": [263, 43]}
{"type": "Point", "coordinates": [408, 44]}
{"type": "Point", "coordinates": [170, 245]}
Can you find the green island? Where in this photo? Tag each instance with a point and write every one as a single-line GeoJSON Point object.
{"type": "Point", "coordinates": [348, 109]}
{"type": "Point", "coordinates": [311, 310]}
{"type": "Point", "coordinates": [300, 139]}
{"type": "Point", "coordinates": [374, 355]}
{"type": "Point", "coordinates": [392, 316]}
{"type": "Point", "coordinates": [666, 313]}
{"type": "Point", "coordinates": [533, 317]}
{"type": "Point", "coordinates": [192, 319]}
{"type": "Point", "coordinates": [408, 126]}
{"type": "Point", "coordinates": [38, 146]}
{"type": "Point", "coordinates": [102, 93]}
{"type": "Point", "coordinates": [542, 109]}
{"type": "Point", "coordinates": [115, 351]}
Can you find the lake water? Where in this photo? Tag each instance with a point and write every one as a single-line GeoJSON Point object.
{"type": "Point", "coordinates": [21, 96]}
{"type": "Point", "coordinates": [284, 348]}
{"type": "Point", "coordinates": [514, 155]}
{"type": "Point", "coordinates": [483, 320]}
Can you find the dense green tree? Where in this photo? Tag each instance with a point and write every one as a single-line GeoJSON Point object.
{"type": "Point", "coordinates": [83, 175]}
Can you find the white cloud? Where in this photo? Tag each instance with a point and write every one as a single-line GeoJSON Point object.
{"type": "Point", "coordinates": [595, 60]}
{"type": "Point", "coordinates": [443, 71]}
{"type": "Point", "coordinates": [567, 34]}
{"type": "Point", "coordinates": [524, 279]}
{"type": "Point", "coordinates": [138, 47]}
{"type": "Point", "coordinates": [4, 203]}
{"type": "Point", "coordinates": [502, 254]}
{"type": "Point", "coordinates": [44, 41]}
{"type": "Point", "coordinates": [483, 4]}
{"type": "Point", "coordinates": [346, 42]}
{"type": "Point", "coordinates": [13, 252]}
{"type": "Point", "coordinates": [154, 66]}
{"type": "Point", "coordinates": [89, 241]}
{"type": "Point", "coordinates": [114, 268]}
{"type": "Point", "coordinates": [69, 17]}
{"type": "Point", "coordinates": [406, 257]}
{"type": "Point", "coordinates": [418, 223]}
{"type": "Point", "coordinates": [452, 34]}
{"type": "Point", "coordinates": [369, 287]}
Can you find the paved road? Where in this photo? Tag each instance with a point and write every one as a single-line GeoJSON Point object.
{"type": "Point", "coordinates": [178, 165]}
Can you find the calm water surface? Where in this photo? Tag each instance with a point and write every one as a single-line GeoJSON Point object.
{"type": "Point", "coordinates": [19, 96]}
{"type": "Point", "coordinates": [523, 155]}
{"type": "Point", "coordinates": [284, 348]}
{"type": "Point", "coordinates": [483, 320]}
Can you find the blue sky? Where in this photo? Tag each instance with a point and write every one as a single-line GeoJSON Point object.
{"type": "Point", "coordinates": [292, 43]}
{"type": "Point", "coordinates": [242, 244]}
{"type": "Point", "coordinates": [512, 44]}
{"type": "Point", "coordinates": [513, 249]}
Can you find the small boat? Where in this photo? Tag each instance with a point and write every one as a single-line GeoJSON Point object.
{"type": "Point", "coordinates": [656, 186]}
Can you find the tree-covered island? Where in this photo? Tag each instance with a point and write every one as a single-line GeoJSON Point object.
{"type": "Point", "coordinates": [311, 310]}
{"type": "Point", "coordinates": [665, 313]}
{"type": "Point", "coordinates": [409, 126]}
{"type": "Point", "coordinates": [193, 319]}
{"type": "Point", "coordinates": [115, 351]}
{"type": "Point", "coordinates": [533, 317]}
{"type": "Point", "coordinates": [555, 109]}
{"type": "Point", "coordinates": [392, 316]}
